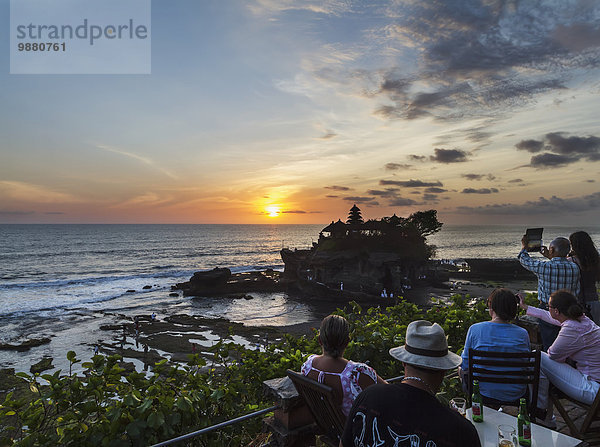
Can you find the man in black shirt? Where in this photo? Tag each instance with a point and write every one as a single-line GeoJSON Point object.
{"type": "Point", "coordinates": [408, 413]}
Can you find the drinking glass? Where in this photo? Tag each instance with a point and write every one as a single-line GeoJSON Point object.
{"type": "Point", "coordinates": [459, 404]}
{"type": "Point", "coordinates": [507, 436]}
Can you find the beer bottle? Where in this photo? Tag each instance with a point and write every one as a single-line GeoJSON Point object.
{"type": "Point", "coordinates": [524, 425]}
{"type": "Point", "coordinates": [476, 403]}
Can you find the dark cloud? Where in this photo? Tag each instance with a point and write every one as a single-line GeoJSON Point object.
{"type": "Point", "coordinates": [561, 150]}
{"type": "Point", "coordinates": [410, 183]}
{"type": "Point", "coordinates": [401, 201]}
{"type": "Point", "coordinates": [489, 177]}
{"type": "Point", "coordinates": [397, 166]}
{"type": "Point", "coordinates": [516, 180]}
{"type": "Point", "coordinates": [530, 145]}
{"type": "Point", "coordinates": [430, 197]}
{"type": "Point", "coordinates": [359, 199]}
{"type": "Point", "coordinates": [390, 192]}
{"type": "Point", "coordinates": [332, 197]}
{"type": "Point", "coordinates": [508, 51]}
{"type": "Point", "coordinates": [435, 190]}
{"type": "Point", "coordinates": [539, 206]}
{"type": "Point", "coordinates": [591, 180]}
{"type": "Point", "coordinates": [449, 156]}
{"type": "Point", "coordinates": [548, 160]}
{"type": "Point", "coordinates": [479, 191]}
{"type": "Point", "coordinates": [560, 144]}
{"type": "Point", "coordinates": [417, 157]}
{"type": "Point", "coordinates": [338, 188]}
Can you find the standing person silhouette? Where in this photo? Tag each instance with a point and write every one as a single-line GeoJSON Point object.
{"type": "Point", "coordinates": [556, 274]}
{"type": "Point", "coordinates": [585, 254]}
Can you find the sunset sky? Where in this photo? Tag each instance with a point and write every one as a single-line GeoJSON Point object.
{"type": "Point", "coordinates": [290, 111]}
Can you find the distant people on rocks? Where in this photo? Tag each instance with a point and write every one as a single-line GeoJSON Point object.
{"type": "Point", "coordinates": [556, 274]}
{"type": "Point", "coordinates": [578, 341]}
{"type": "Point", "coordinates": [347, 378]}
{"type": "Point", "coordinates": [408, 413]}
{"type": "Point", "coordinates": [585, 254]}
{"type": "Point", "coordinates": [96, 349]}
{"type": "Point", "coordinates": [498, 335]}
{"type": "Point", "coordinates": [153, 316]}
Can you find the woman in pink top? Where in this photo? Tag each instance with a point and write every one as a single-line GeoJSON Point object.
{"type": "Point", "coordinates": [578, 341]}
{"type": "Point", "coordinates": [346, 377]}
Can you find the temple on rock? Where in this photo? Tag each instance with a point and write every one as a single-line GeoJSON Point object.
{"type": "Point", "coordinates": [377, 256]}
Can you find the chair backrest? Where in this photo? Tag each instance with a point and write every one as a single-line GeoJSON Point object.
{"type": "Point", "coordinates": [506, 367]}
{"type": "Point", "coordinates": [321, 403]}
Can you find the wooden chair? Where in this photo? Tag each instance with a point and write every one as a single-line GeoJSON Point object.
{"type": "Point", "coordinates": [506, 367]}
{"type": "Point", "coordinates": [587, 431]}
{"type": "Point", "coordinates": [320, 400]}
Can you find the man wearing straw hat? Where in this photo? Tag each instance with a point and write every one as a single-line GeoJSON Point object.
{"type": "Point", "coordinates": [408, 413]}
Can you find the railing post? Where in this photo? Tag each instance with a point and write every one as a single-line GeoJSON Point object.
{"type": "Point", "coordinates": [292, 424]}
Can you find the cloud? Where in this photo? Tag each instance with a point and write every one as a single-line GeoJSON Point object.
{"type": "Point", "coordinates": [548, 160]}
{"type": "Point", "coordinates": [299, 212]}
{"type": "Point", "coordinates": [417, 157]}
{"type": "Point", "coordinates": [359, 199]}
{"type": "Point", "coordinates": [390, 192]}
{"type": "Point", "coordinates": [397, 166]}
{"type": "Point", "coordinates": [530, 145]}
{"type": "Point", "coordinates": [449, 156]}
{"type": "Point", "coordinates": [539, 206]}
{"type": "Point", "coordinates": [516, 180]}
{"type": "Point", "coordinates": [479, 191]}
{"type": "Point", "coordinates": [401, 201]}
{"type": "Point", "coordinates": [590, 180]}
{"type": "Point", "coordinates": [29, 192]}
{"type": "Point", "coordinates": [478, 177]}
{"type": "Point", "coordinates": [435, 190]}
{"type": "Point", "coordinates": [328, 136]}
{"type": "Point", "coordinates": [480, 58]}
{"type": "Point", "coordinates": [332, 196]}
{"type": "Point", "coordinates": [143, 160]}
{"type": "Point", "coordinates": [57, 213]}
{"type": "Point", "coordinates": [338, 188]}
{"type": "Point", "coordinates": [410, 183]}
{"type": "Point", "coordinates": [430, 197]}
{"type": "Point", "coordinates": [561, 150]}
{"type": "Point", "coordinates": [16, 213]}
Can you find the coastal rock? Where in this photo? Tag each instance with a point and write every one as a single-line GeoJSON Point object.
{"type": "Point", "coordinates": [146, 287]}
{"type": "Point", "coordinates": [41, 366]}
{"type": "Point", "coordinates": [220, 281]}
{"type": "Point", "coordinates": [24, 346]}
{"type": "Point", "coordinates": [131, 291]}
{"type": "Point", "coordinates": [174, 294]}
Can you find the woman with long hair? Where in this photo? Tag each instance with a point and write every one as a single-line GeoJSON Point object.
{"type": "Point", "coordinates": [585, 255]}
{"type": "Point", "coordinates": [347, 378]}
{"type": "Point", "coordinates": [578, 341]}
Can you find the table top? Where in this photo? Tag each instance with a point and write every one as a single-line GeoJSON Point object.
{"type": "Point", "coordinates": [541, 436]}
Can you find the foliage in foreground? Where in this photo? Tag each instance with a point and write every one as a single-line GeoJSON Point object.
{"type": "Point", "coordinates": [107, 407]}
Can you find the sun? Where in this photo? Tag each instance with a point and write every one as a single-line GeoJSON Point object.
{"type": "Point", "coordinates": [273, 211]}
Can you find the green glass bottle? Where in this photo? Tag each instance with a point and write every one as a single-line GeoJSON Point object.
{"type": "Point", "coordinates": [476, 403]}
{"type": "Point", "coordinates": [524, 425]}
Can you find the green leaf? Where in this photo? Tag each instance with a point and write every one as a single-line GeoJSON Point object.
{"type": "Point", "coordinates": [71, 356]}
{"type": "Point", "coordinates": [156, 419]}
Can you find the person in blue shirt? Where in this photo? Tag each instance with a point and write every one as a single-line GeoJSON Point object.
{"type": "Point", "coordinates": [498, 335]}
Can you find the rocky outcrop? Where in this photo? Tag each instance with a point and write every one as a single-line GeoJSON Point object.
{"type": "Point", "coordinates": [24, 346]}
{"type": "Point", "coordinates": [221, 282]}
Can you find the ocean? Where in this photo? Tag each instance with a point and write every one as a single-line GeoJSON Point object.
{"type": "Point", "coordinates": [65, 281]}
